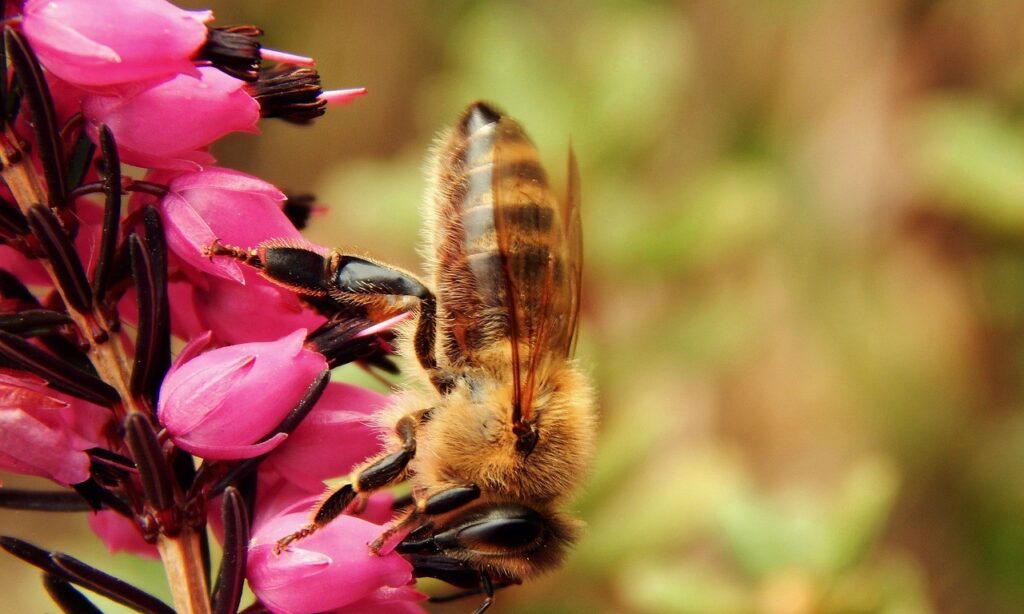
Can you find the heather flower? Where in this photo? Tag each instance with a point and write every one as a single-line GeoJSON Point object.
{"type": "Point", "coordinates": [120, 534]}
{"type": "Point", "coordinates": [336, 435]}
{"type": "Point", "coordinates": [388, 600]}
{"type": "Point", "coordinates": [218, 302]}
{"type": "Point", "coordinates": [204, 108]}
{"type": "Point", "coordinates": [220, 404]}
{"type": "Point", "coordinates": [336, 556]}
{"type": "Point", "coordinates": [218, 204]}
{"type": "Point", "coordinates": [95, 44]}
{"type": "Point", "coordinates": [43, 434]}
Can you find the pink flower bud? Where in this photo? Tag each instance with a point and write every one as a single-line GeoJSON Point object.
{"type": "Point", "coordinates": [116, 41]}
{"type": "Point", "coordinates": [42, 433]}
{"type": "Point", "coordinates": [167, 125]}
{"type": "Point", "coordinates": [337, 434]}
{"type": "Point", "coordinates": [218, 405]}
{"type": "Point", "coordinates": [330, 569]}
{"type": "Point", "coordinates": [218, 204]}
{"type": "Point", "coordinates": [121, 534]}
{"type": "Point", "coordinates": [218, 302]}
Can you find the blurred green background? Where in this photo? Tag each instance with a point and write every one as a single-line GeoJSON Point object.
{"type": "Point", "coordinates": [804, 279]}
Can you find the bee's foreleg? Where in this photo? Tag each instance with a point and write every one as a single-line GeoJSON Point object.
{"type": "Point", "coordinates": [373, 476]}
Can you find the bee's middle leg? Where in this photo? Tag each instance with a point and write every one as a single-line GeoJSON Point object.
{"type": "Point", "coordinates": [440, 502]}
{"type": "Point", "coordinates": [374, 475]}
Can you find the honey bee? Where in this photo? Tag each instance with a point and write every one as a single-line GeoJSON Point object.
{"type": "Point", "coordinates": [499, 432]}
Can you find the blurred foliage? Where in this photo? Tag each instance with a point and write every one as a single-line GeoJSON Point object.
{"type": "Point", "coordinates": [804, 301]}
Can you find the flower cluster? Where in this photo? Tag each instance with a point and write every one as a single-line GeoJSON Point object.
{"type": "Point", "coordinates": [99, 273]}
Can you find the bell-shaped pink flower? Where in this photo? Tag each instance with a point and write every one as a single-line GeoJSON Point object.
{"type": "Point", "coordinates": [336, 435]}
{"type": "Point", "coordinates": [387, 600]}
{"type": "Point", "coordinates": [168, 124]}
{"type": "Point", "coordinates": [218, 405]}
{"type": "Point", "coordinates": [44, 434]}
{"type": "Point", "coordinates": [218, 302]}
{"type": "Point", "coordinates": [218, 204]}
{"type": "Point", "coordinates": [326, 571]}
{"type": "Point", "coordinates": [121, 534]}
{"type": "Point", "coordinates": [95, 44]}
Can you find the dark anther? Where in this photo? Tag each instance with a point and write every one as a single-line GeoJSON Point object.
{"type": "Point", "coordinates": [235, 50]}
{"type": "Point", "coordinates": [291, 93]}
{"type": "Point", "coordinates": [298, 208]}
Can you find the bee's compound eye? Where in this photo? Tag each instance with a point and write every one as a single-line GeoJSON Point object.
{"type": "Point", "coordinates": [500, 531]}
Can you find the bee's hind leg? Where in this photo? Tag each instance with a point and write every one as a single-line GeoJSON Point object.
{"type": "Point", "coordinates": [374, 475]}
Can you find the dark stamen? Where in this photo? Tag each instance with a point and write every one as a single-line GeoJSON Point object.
{"type": "Point", "coordinates": [291, 93]}
{"type": "Point", "coordinates": [235, 50]}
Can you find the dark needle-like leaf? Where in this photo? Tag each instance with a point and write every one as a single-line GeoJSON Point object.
{"type": "Point", "coordinates": [42, 500]}
{"type": "Point", "coordinates": [228, 591]}
{"type": "Point", "coordinates": [67, 597]}
{"type": "Point", "coordinates": [111, 214]}
{"type": "Point", "coordinates": [59, 250]}
{"type": "Point", "coordinates": [81, 155]}
{"type": "Point", "coordinates": [25, 551]}
{"type": "Point", "coordinates": [100, 498]}
{"type": "Point", "coordinates": [12, 221]}
{"type": "Point", "coordinates": [153, 342]}
{"type": "Point", "coordinates": [107, 585]}
{"type": "Point", "coordinates": [20, 354]}
{"type": "Point", "coordinates": [33, 322]}
{"type": "Point", "coordinates": [44, 119]}
{"type": "Point", "coordinates": [154, 472]}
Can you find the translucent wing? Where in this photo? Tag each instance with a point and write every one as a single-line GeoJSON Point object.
{"type": "Point", "coordinates": [539, 260]}
{"type": "Point", "coordinates": [574, 256]}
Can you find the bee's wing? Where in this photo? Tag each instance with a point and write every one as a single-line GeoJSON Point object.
{"type": "Point", "coordinates": [539, 262]}
{"type": "Point", "coordinates": [574, 252]}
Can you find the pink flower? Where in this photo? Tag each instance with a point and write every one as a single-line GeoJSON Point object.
{"type": "Point", "coordinates": [387, 600]}
{"type": "Point", "coordinates": [330, 569]}
{"type": "Point", "coordinates": [220, 204]}
{"type": "Point", "coordinates": [121, 534]}
{"type": "Point", "coordinates": [168, 124]}
{"type": "Point", "coordinates": [335, 436]}
{"type": "Point", "coordinates": [95, 44]}
{"type": "Point", "coordinates": [30, 272]}
{"type": "Point", "coordinates": [218, 405]}
{"type": "Point", "coordinates": [43, 434]}
{"type": "Point", "coordinates": [218, 302]}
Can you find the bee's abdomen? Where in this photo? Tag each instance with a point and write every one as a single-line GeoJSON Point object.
{"type": "Point", "coordinates": [498, 218]}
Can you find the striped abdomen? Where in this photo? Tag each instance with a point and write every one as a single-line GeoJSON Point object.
{"type": "Point", "coordinates": [498, 228]}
